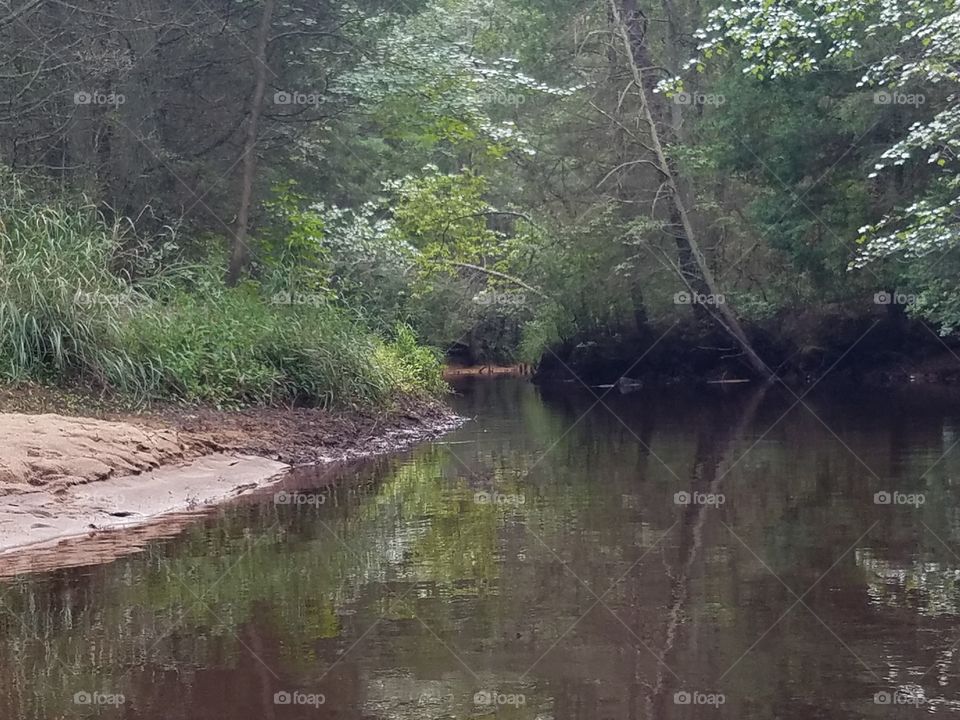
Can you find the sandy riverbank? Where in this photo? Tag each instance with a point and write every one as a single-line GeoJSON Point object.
{"type": "Point", "coordinates": [75, 490]}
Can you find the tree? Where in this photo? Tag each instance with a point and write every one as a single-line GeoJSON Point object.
{"type": "Point", "coordinates": [240, 251]}
{"type": "Point", "coordinates": [630, 25]}
{"type": "Point", "coordinates": [794, 37]}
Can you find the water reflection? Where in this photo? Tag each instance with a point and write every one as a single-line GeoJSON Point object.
{"type": "Point", "coordinates": [678, 555]}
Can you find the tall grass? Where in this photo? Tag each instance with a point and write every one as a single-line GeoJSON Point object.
{"type": "Point", "coordinates": [60, 312]}
{"type": "Point", "coordinates": [67, 318]}
{"type": "Point", "coordinates": [233, 347]}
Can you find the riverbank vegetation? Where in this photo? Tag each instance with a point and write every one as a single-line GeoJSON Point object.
{"type": "Point", "coordinates": [90, 304]}
{"type": "Point", "coordinates": [267, 202]}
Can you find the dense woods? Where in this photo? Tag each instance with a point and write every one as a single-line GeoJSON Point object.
{"type": "Point", "coordinates": [703, 188]}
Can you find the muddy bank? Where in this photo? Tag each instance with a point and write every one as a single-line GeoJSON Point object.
{"type": "Point", "coordinates": [454, 372]}
{"type": "Point", "coordinates": [305, 436]}
{"type": "Point", "coordinates": [76, 490]}
{"type": "Point", "coordinates": [876, 347]}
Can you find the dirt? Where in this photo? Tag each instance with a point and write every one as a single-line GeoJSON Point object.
{"type": "Point", "coordinates": [54, 452]}
{"type": "Point", "coordinates": [79, 490]}
{"type": "Point", "coordinates": [304, 436]}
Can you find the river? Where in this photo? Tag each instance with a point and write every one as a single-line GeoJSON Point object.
{"type": "Point", "coordinates": [720, 553]}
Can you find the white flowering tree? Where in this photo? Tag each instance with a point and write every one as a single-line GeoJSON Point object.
{"type": "Point", "coordinates": [906, 48]}
{"type": "Point", "coordinates": [425, 81]}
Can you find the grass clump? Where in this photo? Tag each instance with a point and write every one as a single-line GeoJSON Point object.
{"type": "Point", "coordinates": [412, 367]}
{"type": "Point", "coordinates": [62, 311]}
{"type": "Point", "coordinates": [234, 347]}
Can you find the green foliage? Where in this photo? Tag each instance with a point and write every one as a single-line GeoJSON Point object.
{"type": "Point", "coordinates": [290, 246]}
{"type": "Point", "coordinates": [938, 299]}
{"type": "Point", "coordinates": [594, 281]}
{"type": "Point", "coordinates": [444, 217]}
{"type": "Point", "coordinates": [904, 54]}
{"type": "Point", "coordinates": [233, 348]}
{"type": "Point", "coordinates": [372, 267]}
{"type": "Point", "coordinates": [427, 90]}
{"type": "Point", "coordinates": [544, 332]}
{"type": "Point", "coordinates": [451, 146]}
{"type": "Point", "coordinates": [61, 310]}
{"type": "Point", "coordinates": [66, 317]}
{"type": "Point", "coordinates": [413, 368]}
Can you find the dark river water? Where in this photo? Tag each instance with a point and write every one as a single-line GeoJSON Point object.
{"type": "Point", "coordinates": [719, 554]}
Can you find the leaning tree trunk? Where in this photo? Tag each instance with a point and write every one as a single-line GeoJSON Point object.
{"type": "Point", "coordinates": [634, 43]}
{"type": "Point", "coordinates": [240, 253]}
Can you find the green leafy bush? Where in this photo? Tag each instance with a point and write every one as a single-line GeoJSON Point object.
{"type": "Point", "coordinates": [414, 368]}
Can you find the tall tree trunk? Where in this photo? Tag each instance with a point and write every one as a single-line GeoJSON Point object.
{"type": "Point", "coordinates": [632, 32]}
{"type": "Point", "coordinates": [240, 253]}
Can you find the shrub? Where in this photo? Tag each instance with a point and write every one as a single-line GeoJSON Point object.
{"type": "Point", "coordinates": [413, 368]}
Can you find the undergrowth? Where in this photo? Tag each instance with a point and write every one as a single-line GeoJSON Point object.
{"type": "Point", "coordinates": [79, 308]}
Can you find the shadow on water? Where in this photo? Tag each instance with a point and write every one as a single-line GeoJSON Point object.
{"type": "Point", "coordinates": [716, 554]}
